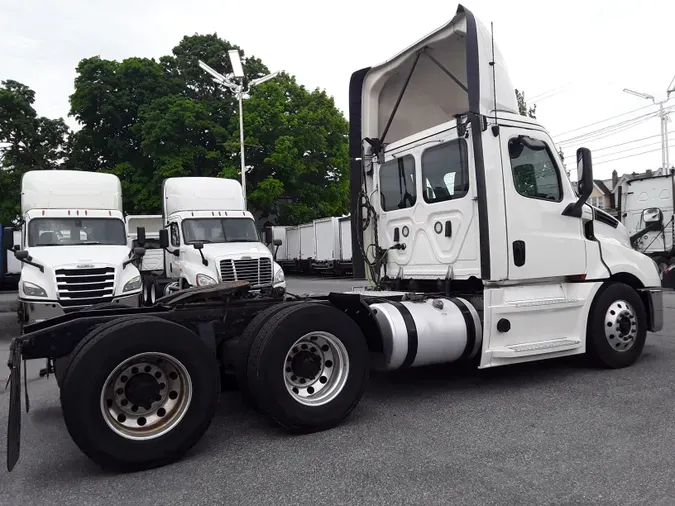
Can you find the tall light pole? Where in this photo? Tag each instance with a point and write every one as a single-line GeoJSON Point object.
{"type": "Point", "coordinates": [663, 114]}
{"type": "Point", "coordinates": [235, 82]}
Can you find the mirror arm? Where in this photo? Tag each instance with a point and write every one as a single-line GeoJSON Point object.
{"type": "Point", "coordinates": [29, 260]}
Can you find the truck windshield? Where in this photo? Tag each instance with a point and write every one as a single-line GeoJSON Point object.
{"type": "Point", "coordinates": [74, 231]}
{"type": "Point", "coordinates": [215, 230]}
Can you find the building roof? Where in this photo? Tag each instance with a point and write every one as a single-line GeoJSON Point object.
{"type": "Point", "coordinates": [601, 186]}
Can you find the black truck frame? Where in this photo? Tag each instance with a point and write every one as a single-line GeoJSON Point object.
{"type": "Point", "coordinates": [216, 328]}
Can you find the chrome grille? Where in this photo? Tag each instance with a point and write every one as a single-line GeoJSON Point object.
{"type": "Point", "coordinates": [82, 287]}
{"type": "Point", "coordinates": [257, 271]}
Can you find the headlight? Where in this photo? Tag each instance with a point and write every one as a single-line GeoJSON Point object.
{"type": "Point", "coordinates": [204, 280]}
{"type": "Point", "coordinates": [33, 290]}
{"type": "Point", "coordinates": [133, 284]}
{"type": "Point", "coordinates": [279, 276]}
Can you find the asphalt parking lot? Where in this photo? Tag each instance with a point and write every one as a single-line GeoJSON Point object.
{"type": "Point", "coordinates": [556, 432]}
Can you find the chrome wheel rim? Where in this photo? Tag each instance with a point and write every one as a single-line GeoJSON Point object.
{"type": "Point", "coordinates": [146, 396]}
{"type": "Point", "coordinates": [316, 368]}
{"type": "Point", "coordinates": [621, 326]}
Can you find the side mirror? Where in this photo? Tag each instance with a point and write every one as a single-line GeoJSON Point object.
{"type": "Point", "coordinates": [139, 252]}
{"type": "Point", "coordinates": [164, 238]}
{"type": "Point", "coordinates": [8, 238]}
{"type": "Point", "coordinates": [269, 235]}
{"type": "Point", "coordinates": [140, 236]}
{"type": "Point", "coordinates": [22, 254]}
{"type": "Point", "coordinates": [652, 215]}
{"type": "Point", "coordinates": [198, 245]}
{"type": "Point", "coordinates": [278, 242]}
{"type": "Point", "coordinates": [584, 182]}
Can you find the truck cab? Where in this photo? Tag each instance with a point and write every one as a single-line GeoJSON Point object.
{"type": "Point", "coordinates": [209, 237]}
{"type": "Point", "coordinates": [453, 189]}
{"type": "Point", "coordinates": [73, 244]}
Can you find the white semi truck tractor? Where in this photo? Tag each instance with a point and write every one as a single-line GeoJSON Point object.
{"type": "Point", "coordinates": [209, 237]}
{"type": "Point", "coordinates": [462, 217]}
{"type": "Point", "coordinates": [73, 247]}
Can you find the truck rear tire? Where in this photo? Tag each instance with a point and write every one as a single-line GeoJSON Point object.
{"type": "Point", "coordinates": [308, 367]}
{"type": "Point", "coordinates": [139, 393]}
{"type": "Point", "coordinates": [617, 327]}
{"type": "Point", "coordinates": [246, 342]}
{"type": "Point", "coordinates": [61, 364]}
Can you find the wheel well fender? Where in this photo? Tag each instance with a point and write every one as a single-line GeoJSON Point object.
{"type": "Point", "coordinates": [359, 311]}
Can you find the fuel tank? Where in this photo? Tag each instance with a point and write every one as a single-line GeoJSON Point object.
{"type": "Point", "coordinates": [433, 331]}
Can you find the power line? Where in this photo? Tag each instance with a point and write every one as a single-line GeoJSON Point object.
{"type": "Point", "coordinates": [626, 150]}
{"type": "Point", "coordinates": [627, 142]}
{"type": "Point", "coordinates": [602, 121]}
{"type": "Point", "coordinates": [630, 156]}
{"type": "Point", "coordinates": [622, 125]}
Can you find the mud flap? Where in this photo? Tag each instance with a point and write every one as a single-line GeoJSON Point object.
{"type": "Point", "coordinates": [14, 419]}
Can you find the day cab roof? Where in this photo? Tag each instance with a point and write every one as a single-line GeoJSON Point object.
{"type": "Point", "coordinates": [183, 194]}
{"type": "Point", "coordinates": [70, 189]}
{"type": "Point", "coordinates": [449, 72]}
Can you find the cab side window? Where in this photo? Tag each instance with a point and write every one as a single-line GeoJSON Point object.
{"type": "Point", "coordinates": [445, 171]}
{"type": "Point", "coordinates": [535, 174]}
{"type": "Point", "coordinates": [175, 235]}
{"type": "Point", "coordinates": [397, 184]}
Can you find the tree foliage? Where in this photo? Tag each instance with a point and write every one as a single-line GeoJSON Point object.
{"type": "Point", "coordinates": [523, 109]}
{"type": "Point", "coordinates": [147, 119]}
{"type": "Point", "coordinates": [27, 141]}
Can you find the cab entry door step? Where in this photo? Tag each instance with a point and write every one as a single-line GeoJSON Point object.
{"type": "Point", "coordinates": [536, 348]}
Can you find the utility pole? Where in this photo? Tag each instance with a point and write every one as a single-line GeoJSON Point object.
{"type": "Point", "coordinates": [237, 87]}
{"type": "Point", "coordinates": [663, 114]}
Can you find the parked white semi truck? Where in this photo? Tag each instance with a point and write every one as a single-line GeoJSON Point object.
{"type": "Point", "coordinates": [469, 227]}
{"type": "Point", "coordinates": [209, 237]}
{"type": "Point", "coordinates": [73, 244]}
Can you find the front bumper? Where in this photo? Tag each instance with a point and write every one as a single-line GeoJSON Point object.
{"type": "Point", "coordinates": [653, 301]}
{"type": "Point", "coordinates": [36, 311]}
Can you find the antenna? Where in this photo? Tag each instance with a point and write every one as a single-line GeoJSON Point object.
{"type": "Point", "coordinates": [494, 71]}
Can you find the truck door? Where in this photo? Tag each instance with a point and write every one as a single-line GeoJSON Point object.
{"type": "Point", "coordinates": [427, 203]}
{"type": "Point", "coordinates": [542, 242]}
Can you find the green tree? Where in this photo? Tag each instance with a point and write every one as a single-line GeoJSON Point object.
{"type": "Point", "coordinates": [146, 120]}
{"type": "Point", "coordinates": [27, 142]}
{"type": "Point", "coordinates": [523, 109]}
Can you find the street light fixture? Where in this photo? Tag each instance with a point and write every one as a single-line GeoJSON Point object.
{"type": "Point", "coordinates": [237, 87]}
{"type": "Point", "coordinates": [663, 114]}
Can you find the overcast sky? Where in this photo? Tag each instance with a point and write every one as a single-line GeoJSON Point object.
{"type": "Point", "coordinates": [573, 57]}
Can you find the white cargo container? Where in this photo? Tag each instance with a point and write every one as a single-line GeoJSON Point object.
{"type": "Point", "coordinates": [327, 245]}
{"type": "Point", "coordinates": [307, 246]}
{"type": "Point", "coordinates": [345, 258]}
{"type": "Point", "coordinates": [278, 251]}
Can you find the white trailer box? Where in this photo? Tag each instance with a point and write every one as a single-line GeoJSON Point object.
{"type": "Point", "coordinates": [307, 241]}
{"type": "Point", "coordinates": [345, 239]}
{"type": "Point", "coordinates": [293, 241]}
{"type": "Point", "coordinates": [327, 238]}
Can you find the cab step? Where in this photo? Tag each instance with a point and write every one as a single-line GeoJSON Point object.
{"type": "Point", "coordinates": [536, 348]}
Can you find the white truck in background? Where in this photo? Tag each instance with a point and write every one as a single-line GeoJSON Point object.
{"type": "Point", "coordinates": [209, 237]}
{"type": "Point", "coordinates": [73, 245]}
{"type": "Point", "coordinates": [646, 210]}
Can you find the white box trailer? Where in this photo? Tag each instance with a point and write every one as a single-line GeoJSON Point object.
{"type": "Point", "coordinates": [291, 262]}
{"type": "Point", "coordinates": [307, 246]}
{"type": "Point", "coordinates": [345, 258]}
{"type": "Point", "coordinates": [327, 245]}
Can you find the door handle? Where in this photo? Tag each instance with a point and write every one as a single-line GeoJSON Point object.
{"type": "Point", "coordinates": [519, 253]}
{"type": "Point", "coordinates": [396, 235]}
{"type": "Point", "coordinates": [448, 228]}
